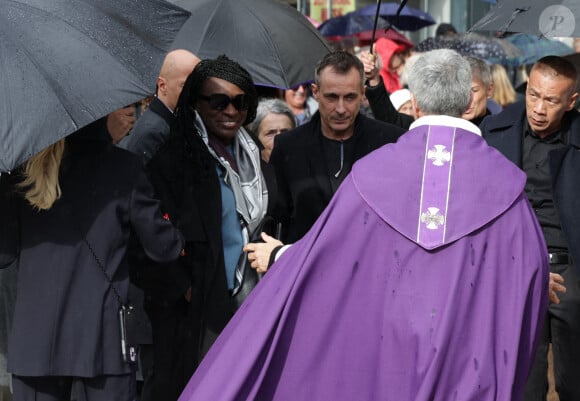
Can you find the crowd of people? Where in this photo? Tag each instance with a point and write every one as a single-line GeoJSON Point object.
{"type": "Point", "coordinates": [426, 248]}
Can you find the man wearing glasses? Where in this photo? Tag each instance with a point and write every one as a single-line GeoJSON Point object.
{"type": "Point", "coordinates": [208, 177]}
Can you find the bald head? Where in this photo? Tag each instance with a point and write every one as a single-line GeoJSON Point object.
{"type": "Point", "coordinates": [176, 68]}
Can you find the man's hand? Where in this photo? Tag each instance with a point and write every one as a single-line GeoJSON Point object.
{"type": "Point", "coordinates": [259, 252]}
{"type": "Point", "coordinates": [371, 67]}
{"type": "Point", "coordinates": [556, 285]}
{"type": "Point", "coordinates": [120, 122]}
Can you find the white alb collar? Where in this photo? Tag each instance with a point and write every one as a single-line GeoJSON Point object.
{"type": "Point", "coordinates": [447, 121]}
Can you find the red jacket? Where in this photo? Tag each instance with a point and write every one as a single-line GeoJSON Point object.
{"type": "Point", "coordinates": [386, 48]}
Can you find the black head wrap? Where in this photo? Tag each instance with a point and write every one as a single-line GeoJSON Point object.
{"type": "Point", "coordinates": [223, 68]}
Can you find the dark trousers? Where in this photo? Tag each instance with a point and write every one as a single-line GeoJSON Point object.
{"type": "Point", "coordinates": [562, 329]}
{"type": "Point", "coordinates": [146, 359]}
{"type": "Point", "coordinates": [175, 350]}
{"type": "Point", "coordinates": [62, 388]}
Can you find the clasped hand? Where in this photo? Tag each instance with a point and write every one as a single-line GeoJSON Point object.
{"type": "Point", "coordinates": [259, 252]}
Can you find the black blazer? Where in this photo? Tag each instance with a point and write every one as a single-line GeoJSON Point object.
{"type": "Point", "coordinates": [504, 132]}
{"type": "Point", "coordinates": [304, 188]}
{"type": "Point", "coordinates": [150, 131]}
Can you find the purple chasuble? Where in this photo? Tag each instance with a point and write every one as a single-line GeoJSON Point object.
{"type": "Point", "coordinates": [425, 279]}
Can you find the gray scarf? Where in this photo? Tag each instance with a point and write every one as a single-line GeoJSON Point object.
{"type": "Point", "coordinates": [248, 184]}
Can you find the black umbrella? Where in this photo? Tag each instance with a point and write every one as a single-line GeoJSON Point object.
{"type": "Point", "coordinates": [66, 63]}
{"type": "Point", "coordinates": [276, 44]}
{"type": "Point", "coordinates": [393, 17]}
{"type": "Point", "coordinates": [550, 18]}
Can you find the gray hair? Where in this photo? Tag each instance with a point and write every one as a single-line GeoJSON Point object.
{"type": "Point", "coordinates": [480, 69]}
{"type": "Point", "coordinates": [440, 81]}
{"type": "Point", "coordinates": [267, 106]}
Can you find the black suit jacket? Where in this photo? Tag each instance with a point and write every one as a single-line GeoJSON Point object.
{"type": "Point", "coordinates": [150, 131]}
{"type": "Point", "coordinates": [304, 188]}
{"type": "Point", "coordinates": [504, 131]}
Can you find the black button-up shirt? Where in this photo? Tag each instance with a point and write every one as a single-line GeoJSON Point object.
{"type": "Point", "coordinates": [535, 163]}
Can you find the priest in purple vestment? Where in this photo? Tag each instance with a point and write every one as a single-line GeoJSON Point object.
{"type": "Point", "coordinates": [425, 279]}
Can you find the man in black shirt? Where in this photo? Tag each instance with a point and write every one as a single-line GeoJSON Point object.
{"type": "Point", "coordinates": [542, 136]}
{"type": "Point", "coordinates": [312, 160]}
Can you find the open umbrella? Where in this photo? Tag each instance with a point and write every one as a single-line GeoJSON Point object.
{"type": "Point", "coordinates": [551, 18]}
{"type": "Point", "coordinates": [493, 50]}
{"type": "Point", "coordinates": [350, 24]}
{"type": "Point", "coordinates": [276, 44]}
{"type": "Point", "coordinates": [365, 37]}
{"type": "Point", "coordinates": [410, 19]}
{"type": "Point", "coordinates": [66, 63]}
{"type": "Point", "coordinates": [534, 47]}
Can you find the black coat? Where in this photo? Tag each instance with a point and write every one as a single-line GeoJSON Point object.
{"type": "Point", "coordinates": [504, 131]}
{"type": "Point", "coordinates": [9, 219]}
{"type": "Point", "coordinates": [184, 175]}
{"type": "Point", "coordinates": [383, 108]}
{"type": "Point", "coordinates": [66, 317]}
{"type": "Point", "coordinates": [304, 188]}
{"type": "Point", "coordinates": [150, 131]}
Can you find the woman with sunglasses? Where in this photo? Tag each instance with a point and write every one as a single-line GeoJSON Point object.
{"type": "Point", "coordinates": [209, 179]}
{"type": "Point", "coordinates": [301, 103]}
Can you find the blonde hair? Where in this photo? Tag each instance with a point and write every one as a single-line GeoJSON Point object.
{"type": "Point", "coordinates": [504, 92]}
{"type": "Point", "coordinates": [41, 177]}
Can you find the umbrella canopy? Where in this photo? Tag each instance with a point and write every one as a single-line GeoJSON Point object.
{"type": "Point", "coordinates": [410, 19]}
{"type": "Point", "coordinates": [493, 50]}
{"type": "Point", "coordinates": [364, 38]}
{"type": "Point", "coordinates": [534, 47]}
{"type": "Point", "coordinates": [66, 63]}
{"type": "Point", "coordinates": [551, 18]}
{"type": "Point", "coordinates": [350, 24]}
{"type": "Point", "coordinates": [276, 44]}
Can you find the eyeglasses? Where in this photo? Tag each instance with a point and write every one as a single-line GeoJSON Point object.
{"type": "Point", "coordinates": [219, 101]}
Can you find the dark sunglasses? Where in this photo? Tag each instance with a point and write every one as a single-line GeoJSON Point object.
{"type": "Point", "coordinates": [296, 87]}
{"type": "Point", "coordinates": [219, 101]}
